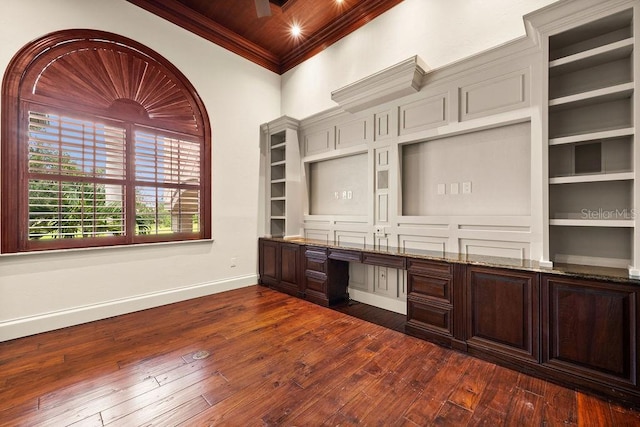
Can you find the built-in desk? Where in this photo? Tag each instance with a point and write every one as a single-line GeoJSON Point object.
{"type": "Point", "coordinates": [575, 325]}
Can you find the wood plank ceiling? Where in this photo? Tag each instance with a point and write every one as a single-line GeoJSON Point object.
{"type": "Point", "coordinates": [267, 41]}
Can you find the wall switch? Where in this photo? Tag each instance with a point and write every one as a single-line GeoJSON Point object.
{"type": "Point", "coordinates": [455, 188]}
{"type": "Point", "coordinates": [442, 189]}
{"type": "Point", "coordinates": [349, 194]}
{"type": "Point", "coordinates": [466, 187]}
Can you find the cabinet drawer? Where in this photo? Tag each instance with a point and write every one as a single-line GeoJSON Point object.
{"type": "Point", "coordinates": [316, 282]}
{"type": "Point", "coordinates": [342, 255]}
{"type": "Point", "coordinates": [315, 264]}
{"type": "Point", "coordinates": [313, 252]}
{"type": "Point", "coordinates": [437, 318]}
{"type": "Point", "coordinates": [382, 260]}
{"type": "Point", "coordinates": [430, 267]}
{"type": "Point", "coordinates": [430, 286]}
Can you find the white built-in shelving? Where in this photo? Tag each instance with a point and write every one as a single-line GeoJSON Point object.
{"type": "Point", "coordinates": [283, 186]}
{"type": "Point", "coordinates": [591, 142]}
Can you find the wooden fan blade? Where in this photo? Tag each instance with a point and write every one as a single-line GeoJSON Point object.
{"type": "Point", "coordinates": [263, 8]}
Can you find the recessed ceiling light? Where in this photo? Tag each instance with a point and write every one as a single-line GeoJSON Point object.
{"type": "Point", "coordinates": [296, 31]}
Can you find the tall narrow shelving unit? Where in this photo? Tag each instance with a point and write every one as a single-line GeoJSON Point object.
{"type": "Point", "coordinates": [591, 143]}
{"type": "Point", "coordinates": [283, 192]}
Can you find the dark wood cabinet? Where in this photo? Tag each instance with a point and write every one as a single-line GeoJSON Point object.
{"type": "Point", "coordinates": [280, 266]}
{"type": "Point", "coordinates": [430, 309]}
{"type": "Point", "coordinates": [290, 270]}
{"type": "Point", "coordinates": [576, 331]}
{"type": "Point", "coordinates": [326, 280]}
{"type": "Point", "coordinates": [502, 311]}
{"type": "Point", "coordinates": [590, 329]}
{"type": "Point", "coordinates": [269, 262]}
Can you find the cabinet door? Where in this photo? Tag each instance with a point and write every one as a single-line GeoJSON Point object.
{"type": "Point", "coordinates": [590, 329]}
{"type": "Point", "coordinates": [269, 253]}
{"type": "Point", "coordinates": [289, 269]}
{"type": "Point", "coordinates": [503, 313]}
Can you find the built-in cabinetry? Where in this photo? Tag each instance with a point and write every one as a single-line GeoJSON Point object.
{"type": "Point", "coordinates": [590, 330]}
{"type": "Point", "coordinates": [325, 280]}
{"type": "Point", "coordinates": [281, 266]}
{"type": "Point", "coordinates": [283, 182]}
{"type": "Point", "coordinates": [570, 328]}
{"type": "Point", "coordinates": [502, 314]}
{"type": "Point", "coordinates": [591, 142]}
{"type": "Point", "coordinates": [430, 301]}
{"type": "Point", "coordinates": [310, 272]}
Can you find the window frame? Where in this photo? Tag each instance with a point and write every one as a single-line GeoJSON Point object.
{"type": "Point", "coordinates": [18, 98]}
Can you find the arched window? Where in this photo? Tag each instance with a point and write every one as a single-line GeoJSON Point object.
{"type": "Point", "coordinates": [104, 142]}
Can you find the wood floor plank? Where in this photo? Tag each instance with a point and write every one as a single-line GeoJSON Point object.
{"type": "Point", "coordinates": [451, 414]}
{"type": "Point", "coordinates": [468, 391]}
{"type": "Point", "coordinates": [92, 421]}
{"type": "Point", "coordinates": [197, 383]}
{"type": "Point", "coordinates": [180, 414]}
{"type": "Point", "coordinates": [524, 409]}
{"type": "Point", "coordinates": [424, 409]}
{"type": "Point", "coordinates": [330, 401]}
{"type": "Point", "coordinates": [593, 412]}
{"type": "Point", "coordinates": [273, 360]}
{"type": "Point", "coordinates": [560, 406]}
{"type": "Point", "coordinates": [77, 410]}
{"type": "Point", "coordinates": [496, 398]}
{"type": "Point", "coordinates": [623, 416]}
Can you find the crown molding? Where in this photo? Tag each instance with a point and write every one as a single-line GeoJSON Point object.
{"type": "Point", "coordinates": [179, 14]}
{"type": "Point", "coordinates": [280, 124]}
{"type": "Point", "coordinates": [394, 82]}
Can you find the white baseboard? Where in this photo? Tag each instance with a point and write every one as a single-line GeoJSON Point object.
{"type": "Point", "coordinates": [30, 325]}
{"type": "Point", "coordinates": [395, 305]}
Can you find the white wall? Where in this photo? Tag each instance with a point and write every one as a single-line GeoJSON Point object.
{"type": "Point", "coordinates": [439, 31]}
{"type": "Point", "coordinates": [46, 291]}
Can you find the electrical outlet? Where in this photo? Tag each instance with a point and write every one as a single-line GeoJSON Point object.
{"type": "Point", "coordinates": [380, 230]}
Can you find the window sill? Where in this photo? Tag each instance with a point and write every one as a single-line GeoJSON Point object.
{"type": "Point", "coordinates": [107, 248]}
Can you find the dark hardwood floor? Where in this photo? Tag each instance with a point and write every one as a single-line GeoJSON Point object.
{"type": "Point", "coordinates": [254, 356]}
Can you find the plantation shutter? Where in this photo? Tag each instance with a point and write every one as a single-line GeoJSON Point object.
{"type": "Point", "coordinates": [76, 172]}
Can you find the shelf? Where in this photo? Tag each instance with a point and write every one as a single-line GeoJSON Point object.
{"type": "Point", "coordinates": [275, 199]}
{"type": "Point", "coordinates": [623, 223]}
{"type": "Point", "coordinates": [281, 145]}
{"type": "Point", "coordinates": [277, 181]}
{"type": "Point", "coordinates": [280, 163]}
{"type": "Point", "coordinates": [607, 134]}
{"type": "Point", "coordinates": [622, 176]}
{"type": "Point", "coordinates": [281, 218]}
{"type": "Point", "coordinates": [621, 91]}
{"type": "Point", "coordinates": [593, 57]}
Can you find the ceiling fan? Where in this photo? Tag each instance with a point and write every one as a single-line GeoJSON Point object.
{"type": "Point", "coordinates": [263, 7]}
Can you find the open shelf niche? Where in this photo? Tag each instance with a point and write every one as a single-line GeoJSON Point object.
{"type": "Point", "coordinates": [283, 182]}
{"type": "Point", "coordinates": [591, 143]}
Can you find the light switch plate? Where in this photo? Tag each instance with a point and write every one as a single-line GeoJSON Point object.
{"type": "Point", "coordinates": [442, 189]}
{"type": "Point", "coordinates": [455, 188]}
{"type": "Point", "coordinates": [466, 187]}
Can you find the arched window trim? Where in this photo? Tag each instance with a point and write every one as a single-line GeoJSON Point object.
{"type": "Point", "coordinates": [166, 102]}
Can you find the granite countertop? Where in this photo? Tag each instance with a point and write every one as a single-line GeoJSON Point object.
{"type": "Point", "coordinates": [579, 271]}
